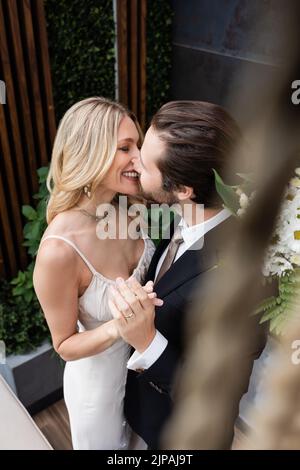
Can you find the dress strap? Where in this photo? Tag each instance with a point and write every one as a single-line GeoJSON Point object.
{"type": "Point", "coordinates": [93, 270]}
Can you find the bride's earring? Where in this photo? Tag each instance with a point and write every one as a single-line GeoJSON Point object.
{"type": "Point", "coordinates": [87, 191]}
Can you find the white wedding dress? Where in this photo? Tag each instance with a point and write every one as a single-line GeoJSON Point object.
{"type": "Point", "coordinates": [94, 387]}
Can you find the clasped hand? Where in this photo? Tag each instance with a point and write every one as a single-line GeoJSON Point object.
{"type": "Point", "coordinates": [133, 308]}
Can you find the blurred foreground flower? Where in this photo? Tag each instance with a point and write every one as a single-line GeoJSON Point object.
{"type": "Point", "coordinates": [282, 258]}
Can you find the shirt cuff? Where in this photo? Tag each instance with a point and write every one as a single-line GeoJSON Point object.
{"type": "Point", "coordinates": [150, 355]}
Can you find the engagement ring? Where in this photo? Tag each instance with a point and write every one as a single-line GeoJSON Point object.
{"type": "Point", "coordinates": [129, 316]}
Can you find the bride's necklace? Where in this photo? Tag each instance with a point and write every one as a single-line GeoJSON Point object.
{"type": "Point", "coordinates": [96, 218]}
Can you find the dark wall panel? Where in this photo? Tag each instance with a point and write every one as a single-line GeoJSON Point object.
{"type": "Point", "coordinates": [211, 77]}
{"type": "Point", "coordinates": [213, 41]}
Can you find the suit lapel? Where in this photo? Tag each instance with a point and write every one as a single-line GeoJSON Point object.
{"type": "Point", "coordinates": [189, 265]}
{"type": "Point", "coordinates": [197, 259]}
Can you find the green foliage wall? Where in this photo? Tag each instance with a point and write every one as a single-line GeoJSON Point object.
{"type": "Point", "coordinates": [81, 46]}
{"type": "Point", "coordinates": [159, 50]}
{"type": "Point", "coordinates": [22, 324]}
{"type": "Point", "coordinates": [81, 38]}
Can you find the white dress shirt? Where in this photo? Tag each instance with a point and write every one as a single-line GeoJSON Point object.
{"type": "Point", "coordinates": [190, 235]}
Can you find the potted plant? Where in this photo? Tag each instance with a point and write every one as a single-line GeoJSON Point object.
{"type": "Point", "coordinates": [32, 368]}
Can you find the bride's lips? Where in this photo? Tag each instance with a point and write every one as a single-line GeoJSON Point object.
{"type": "Point", "coordinates": [132, 176]}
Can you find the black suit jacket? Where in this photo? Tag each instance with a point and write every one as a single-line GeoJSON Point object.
{"type": "Point", "coordinates": [148, 398]}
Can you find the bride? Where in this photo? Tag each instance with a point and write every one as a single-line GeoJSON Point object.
{"type": "Point", "coordinates": [95, 145]}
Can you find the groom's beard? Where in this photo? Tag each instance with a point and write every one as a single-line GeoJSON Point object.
{"type": "Point", "coordinates": [160, 196]}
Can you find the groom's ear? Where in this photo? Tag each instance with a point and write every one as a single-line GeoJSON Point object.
{"type": "Point", "coordinates": [184, 192]}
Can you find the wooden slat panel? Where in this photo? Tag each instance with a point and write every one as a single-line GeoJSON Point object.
{"type": "Point", "coordinates": [40, 24]}
{"type": "Point", "coordinates": [27, 121]}
{"type": "Point", "coordinates": [33, 79]}
{"type": "Point", "coordinates": [122, 51]}
{"type": "Point", "coordinates": [23, 95]}
{"type": "Point", "coordinates": [11, 104]}
{"type": "Point", "coordinates": [142, 65]}
{"type": "Point", "coordinates": [133, 38]}
{"type": "Point", "coordinates": [131, 32]}
{"type": "Point", "coordinates": [14, 237]}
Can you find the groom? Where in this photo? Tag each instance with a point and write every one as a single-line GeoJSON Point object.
{"type": "Point", "coordinates": [185, 141]}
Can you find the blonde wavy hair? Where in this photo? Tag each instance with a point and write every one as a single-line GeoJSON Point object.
{"type": "Point", "coordinates": [83, 151]}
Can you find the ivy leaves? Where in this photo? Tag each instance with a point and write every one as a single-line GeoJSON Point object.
{"type": "Point", "coordinates": [22, 324]}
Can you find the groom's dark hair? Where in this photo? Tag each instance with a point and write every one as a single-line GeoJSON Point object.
{"type": "Point", "coordinates": [198, 137]}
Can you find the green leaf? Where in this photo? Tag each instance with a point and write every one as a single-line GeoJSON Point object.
{"type": "Point", "coordinates": [43, 173]}
{"type": "Point", "coordinates": [277, 324]}
{"type": "Point", "coordinates": [266, 304]}
{"type": "Point", "coordinates": [227, 194]}
{"type": "Point", "coordinates": [271, 314]}
{"type": "Point", "coordinates": [16, 280]}
{"type": "Point", "coordinates": [34, 230]}
{"type": "Point", "coordinates": [41, 209]}
{"type": "Point", "coordinates": [19, 290]}
{"type": "Point", "coordinates": [29, 212]}
{"type": "Point", "coordinates": [28, 296]}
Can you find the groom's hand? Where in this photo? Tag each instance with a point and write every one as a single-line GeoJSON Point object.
{"type": "Point", "coordinates": [134, 311]}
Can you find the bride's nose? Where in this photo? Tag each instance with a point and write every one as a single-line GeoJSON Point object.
{"type": "Point", "coordinates": [136, 157]}
{"type": "Point", "coordinates": [136, 164]}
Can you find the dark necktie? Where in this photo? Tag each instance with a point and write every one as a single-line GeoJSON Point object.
{"type": "Point", "coordinates": [171, 253]}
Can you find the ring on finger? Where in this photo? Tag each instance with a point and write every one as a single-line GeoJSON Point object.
{"type": "Point", "coordinates": [130, 315]}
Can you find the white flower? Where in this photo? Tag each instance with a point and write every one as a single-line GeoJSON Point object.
{"type": "Point", "coordinates": [285, 252]}
{"type": "Point", "coordinates": [295, 182]}
{"type": "Point", "coordinates": [295, 259]}
{"type": "Point", "coordinates": [244, 201]}
{"type": "Point", "coordinates": [277, 265]}
{"type": "Point", "coordinates": [241, 212]}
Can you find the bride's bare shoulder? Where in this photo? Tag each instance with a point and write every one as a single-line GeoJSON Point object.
{"type": "Point", "coordinates": [61, 225]}
{"type": "Point", "coordinates": [55, 250]}
{"type": "Point", "coordinates": [56, 265]}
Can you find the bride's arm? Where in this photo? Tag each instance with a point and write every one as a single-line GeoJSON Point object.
{"type": "Point", "coordinates": [56, 282]}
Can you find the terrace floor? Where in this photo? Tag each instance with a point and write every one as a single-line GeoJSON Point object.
{"type": "Point", "coordinates": [54, 424]}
